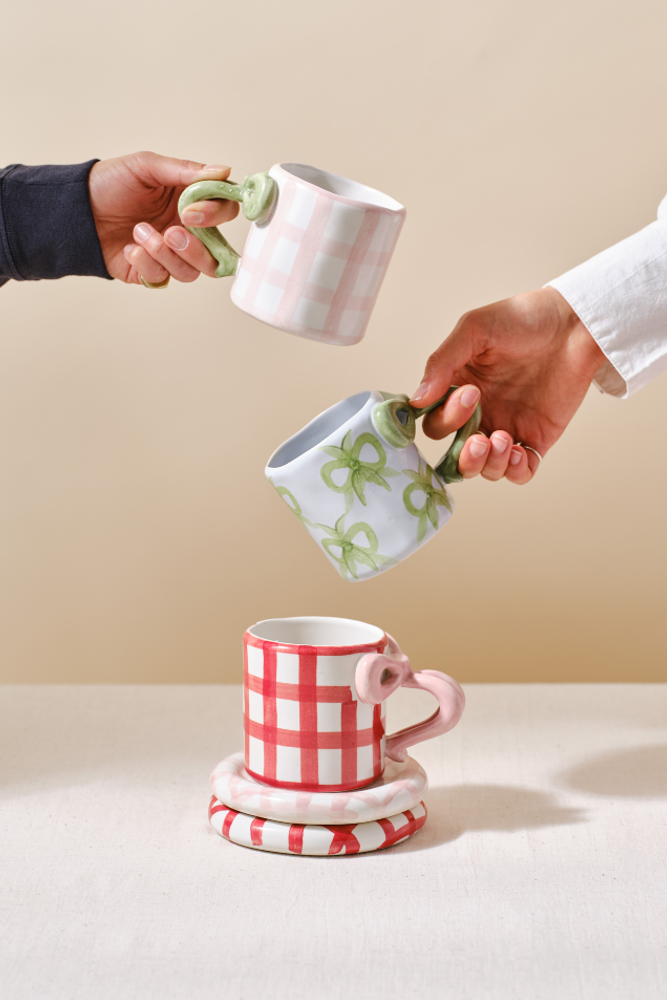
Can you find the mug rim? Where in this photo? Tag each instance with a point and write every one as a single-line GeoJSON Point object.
{"type": "Point", "coordinates": [398, 209]}
{"type": "Point", "coordinates": [371, 645]}
{"type": "Point", "coordinates": [371, 396]}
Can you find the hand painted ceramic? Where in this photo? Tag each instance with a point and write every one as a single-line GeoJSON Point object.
{"type": "Point", "coordinates": [317, 252]}
{"type": "Point", "coordinates": [315, 693]}
{"type": "Point", "coordinates": [401, 787]}
{"type": "Point", "coordinates": [360, 486]}
{"type": "Point", "coordinates": [305, 839]}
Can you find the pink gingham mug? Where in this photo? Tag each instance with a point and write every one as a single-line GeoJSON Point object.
{"type": "Point", "coordinates": [316, 254]}
{"type": "Point", "coordinates": [315, 692]}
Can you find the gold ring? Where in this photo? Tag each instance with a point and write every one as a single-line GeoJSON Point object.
{"type": "Point", "coordinates": [157, 284]}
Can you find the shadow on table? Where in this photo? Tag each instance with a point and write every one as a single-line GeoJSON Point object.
{"type": "Point", "coordinates": [461, 809]}
{"type": "Point", "coordinates": [637, 772]}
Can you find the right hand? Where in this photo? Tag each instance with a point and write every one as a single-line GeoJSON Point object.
{"type": "Point", "coordinates": [533, 361]}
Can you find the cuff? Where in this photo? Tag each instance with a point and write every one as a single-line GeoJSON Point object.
{"type": "Point", "coordinates": [47, 229]}
{"type": "Point", "coordinates": [621, 297]}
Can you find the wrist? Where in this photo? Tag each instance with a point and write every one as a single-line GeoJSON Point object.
{"type": "Point", "coordinates": [574, 333]}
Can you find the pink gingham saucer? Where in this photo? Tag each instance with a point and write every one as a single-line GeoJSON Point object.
{"type": "Point", "coordinates": [312, 839]}
{"type": "Point", "coordinates": [401, 788]}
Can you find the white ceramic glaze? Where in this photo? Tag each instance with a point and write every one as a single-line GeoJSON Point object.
{"type": "Point", "coordinates": [357, 495]}
{"type": "Point", "coordinates": [401, 787]}
{"type": "Point", "coordinates": [323, 841]}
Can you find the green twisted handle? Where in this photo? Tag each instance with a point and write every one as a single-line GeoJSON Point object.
{"type": "Point", "coordinates": [395, 419]}
{"type": "Point", "coordinates": [257, 195]}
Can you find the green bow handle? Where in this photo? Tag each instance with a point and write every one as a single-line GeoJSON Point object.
{"type": "Point", "coordinates": [257, 195]}
{"type": "Point", "coordinates": [395, 419]}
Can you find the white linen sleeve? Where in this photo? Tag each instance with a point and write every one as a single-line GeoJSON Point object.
{"type": "Point", "coordinates": [621, 297]}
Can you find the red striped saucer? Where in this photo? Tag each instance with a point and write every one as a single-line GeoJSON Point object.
{"type": "Point", "coordinates": [310, 839]}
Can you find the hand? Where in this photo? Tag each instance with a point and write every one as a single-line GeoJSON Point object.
{"type": "Point", "coordinates": [135, 198]}
{"type": "Point", "coordinates": [533, 360]}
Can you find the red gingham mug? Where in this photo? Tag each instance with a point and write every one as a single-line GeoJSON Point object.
{"type": "Point", "coordinates": [315, 693]}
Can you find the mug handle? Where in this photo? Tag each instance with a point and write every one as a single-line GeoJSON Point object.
{"type": "Point", "coordinates": [378, 675]}
{"type": "Point", "coordinates": [395, 420]}
{"type": "Point", "coordinates": [257, 195]}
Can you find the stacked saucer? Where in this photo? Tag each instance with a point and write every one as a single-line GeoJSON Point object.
{"type": "Point", "coordinates": [287, 821]}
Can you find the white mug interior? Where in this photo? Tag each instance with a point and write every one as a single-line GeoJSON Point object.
{"type": "Point", "coordinates": [317, 632]}
{"type": "Point", "coordinates": [317, 430]}
{"type": "Point", "coordinates": [343, 187]}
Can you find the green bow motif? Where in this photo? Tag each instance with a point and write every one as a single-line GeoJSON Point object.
{"type": "Point", "coordinates": [294, 505]}
{"type": "Point", "coordinates": [360, 473]}
{"type": "Point", "coordinates": [350, 552]}
{"type": "Point", "coordinates": [436, 496]}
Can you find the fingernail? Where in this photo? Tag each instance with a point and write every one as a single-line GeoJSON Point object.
{"type": "Point", "coordinates": [192, 218]}
{"type": "Point", "coordinates": [214, 168]}
{"type": "Point", "coordinates": [176, 238]}
{"type": "Point", "coordinates": [478, 448]}
{"type": "Point", "coordinates": [470, 397]}
{"type": "Point", "coordinates": [515, 457]}
{"type": "Point", "coordinates": [421, 392]}
{"type": "Point", "coordinates": [142, 231]}
{"type": "Point", "coordinates": [499, 444]}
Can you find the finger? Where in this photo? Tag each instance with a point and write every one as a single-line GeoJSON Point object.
{"type": "Point", "coordinates": [143, 265]}
{"type": "Point", "coordinates": [473, 456]}
{"type": "Point", "coordinates": [210, 213]}
{"type": "Point", "coordinates": [132, 277]}
{"type": "Point", "coordinates": [454, 353]}
{"type": "Point", "coordinates": [153, 243]}
{"type": "Point", "coordinates": [518, 468]}
{"type": "Point", "coordinates": [191, 250]}
{"type": "Point", "coordinates": [499, 456]}
{"type": "Point", "coordinates": [171, 172]}
{"type": "Point", "coordinates": [453, 414]}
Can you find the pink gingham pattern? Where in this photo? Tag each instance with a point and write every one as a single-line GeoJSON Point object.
{"type": "Point", "coordinates": [304, 726]}
{"type": "Point", "coordinates": [304, 839]}
{"type": "Point", "coordinates": [316, 267]}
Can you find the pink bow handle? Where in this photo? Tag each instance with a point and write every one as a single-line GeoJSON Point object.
{"type": "Point", "coordinates": [378, 675]}
{"type": "Point", "coordinates": [451, 701]}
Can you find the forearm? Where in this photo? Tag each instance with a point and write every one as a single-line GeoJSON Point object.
{"type": "Point", "coordinates": [47, 228]}
{"type": "Point", "coordinates": [621, 297]}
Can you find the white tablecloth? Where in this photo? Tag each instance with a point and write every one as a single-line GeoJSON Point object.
{"type": "Point", "coordinates": [541, 871]}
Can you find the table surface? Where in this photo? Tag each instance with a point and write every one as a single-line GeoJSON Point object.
{"type": "Point", "coordinates": [540, 872]}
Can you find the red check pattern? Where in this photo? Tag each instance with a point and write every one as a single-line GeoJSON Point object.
{"type": "Point", "coordinates": [361, 727]}
{"type": "Point", "coordinates": [345, 839]}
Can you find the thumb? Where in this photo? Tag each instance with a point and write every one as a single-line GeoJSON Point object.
{"type": "Point", "coordinates": [166, 171]}
{"type": "Point", "coordinates": [453, 354]}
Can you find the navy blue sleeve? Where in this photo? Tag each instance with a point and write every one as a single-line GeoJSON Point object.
{"type": "Point", "coordinates": [47, 229]}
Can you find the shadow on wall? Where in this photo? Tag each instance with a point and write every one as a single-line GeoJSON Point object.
{"type": "Point", "coordinates": [461, 809]}
{"type": "Point", "coordinates": [638, 772]}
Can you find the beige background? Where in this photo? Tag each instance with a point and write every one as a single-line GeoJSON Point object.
{"type": "Point", "coordinates": [138, 536]}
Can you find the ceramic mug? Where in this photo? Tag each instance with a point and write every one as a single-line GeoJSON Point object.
{"type": "Point", "coordinates": [358, 483]}
{"type": "Point", "coordinates": [316, 254]}
{"type": "Point", "coordinates": [315, 692]}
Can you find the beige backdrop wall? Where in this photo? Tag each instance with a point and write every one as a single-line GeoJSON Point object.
{"type": "Point", "coordinates": [138, 536]}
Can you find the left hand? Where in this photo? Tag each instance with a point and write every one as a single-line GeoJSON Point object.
{"type": "Point", "coordinates": [135, 206]}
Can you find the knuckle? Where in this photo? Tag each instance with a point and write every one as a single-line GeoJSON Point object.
{"type": "Point", "coordinates": [144, 157]}
{"type": "Point", "coordinates": [155, 245]}
{"type": "Point", "coordinates": [186, 168]}
{"type": "Point", "coordinates": [189, 277]}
